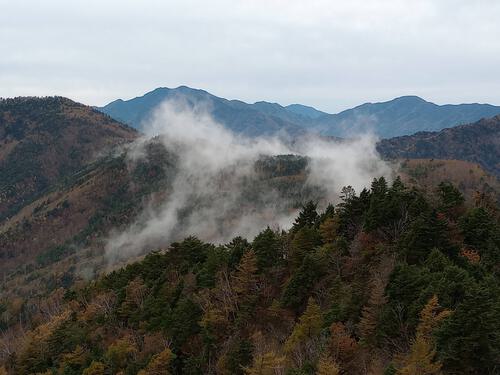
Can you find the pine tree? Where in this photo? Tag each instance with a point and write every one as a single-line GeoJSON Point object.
{"type": "Point", "coordinates": [308, 217]}
{"type": "Point", "coordinates": [267, 248]}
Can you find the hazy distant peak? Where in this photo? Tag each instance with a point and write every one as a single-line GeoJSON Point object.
{"type": "Point", "coordinates": [305, 110]}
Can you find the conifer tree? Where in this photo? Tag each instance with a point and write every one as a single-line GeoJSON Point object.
{"type": "Point", "coordinates": [308, 217]}
{"type": "Point", "coordinates": [420, 360]}
{"type": "Point", "coordinates": [309, 326]}
{"type": "Point", "coordinates": [267, 248]}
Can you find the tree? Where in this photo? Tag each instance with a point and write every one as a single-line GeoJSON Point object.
{"type": "Point", "coordinates": [236, 359]}
{"type": "Point", "coordinates": [267, 248]}
{"type": "Point", "coordinates": [95, 368]}
{"type": "Point", "coordinates": [159, 364]}
{"type": "Point", "coordinates": [342, 345]}
{"type": "Point", "coordinates": [469, 340]}
{"type": "Point", "coordinates": [244, 282]}
{"type": "Point", "coordinates": [120, 353]}
{"type": "Point", "coordinates": [301, 283]}
{"type": "Point", "coordinates": [420, 360]}
{"type": "Point", "coordinates": [451, 199]}
{"type": "Point", "coordinates": [329, 228]}
{"type": "Point", "coordinates": [370, 314]}
{"type": "Point", "coordinates": [308, 217]}
{"type": "Point", "coordinates": [308, 327]}
{"type": "Point", "coordinates": [376, 214]}
{"type": "Point", "coordinates": [327, 366]}
{"type": "Point", "coordinates": [267, 359]}
{"type": "Point", "coordinates": [304, 241]}
{"type": "Point", "coordinates": [428, 231]}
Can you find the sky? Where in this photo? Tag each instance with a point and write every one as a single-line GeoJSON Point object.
{"type": "Point", "coordinates": [326, 53]}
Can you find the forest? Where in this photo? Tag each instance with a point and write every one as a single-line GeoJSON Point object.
{"type": "Point", "coordinates": [390, 280]}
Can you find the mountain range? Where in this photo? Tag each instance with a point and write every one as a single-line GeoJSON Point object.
{"type": "Point", "coordinates": [401, 116]}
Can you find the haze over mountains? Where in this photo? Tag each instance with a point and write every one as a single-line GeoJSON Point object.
{"type": "Point", "coordinates": [401, 116]}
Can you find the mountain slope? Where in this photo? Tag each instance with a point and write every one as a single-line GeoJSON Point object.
{"type": "Point", "coordinates": [45, 139]}
{"type": "Point", "coordinates": [478, 143]}
{"type": "Point", "coordinates": [401, 116]}
{"type": "Point", "coordinates": [240, 117]}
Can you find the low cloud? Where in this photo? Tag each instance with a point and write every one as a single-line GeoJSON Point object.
{"type": "Point", "coordinates": [211, 193]}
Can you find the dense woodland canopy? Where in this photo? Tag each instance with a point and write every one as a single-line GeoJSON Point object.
{"type": "Point", "coordinates": [389, 281]}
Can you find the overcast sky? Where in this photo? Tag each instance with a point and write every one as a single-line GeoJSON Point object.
{"type": "Point", "coordinates": [329, 54]}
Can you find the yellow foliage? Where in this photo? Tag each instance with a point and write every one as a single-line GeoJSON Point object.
{"type": "Point", "coordinates": [76, 357]}
{"type": "Point", "coordinates": [120, 352]}
{"type": "Point", "coordinates": [95, 368]}
{"type": "Point", "coordinates": [309, 326]}
{"type": "Point", "coordinates": [327, 366]}
{"type": "Point", "coordinates": [245, 277]}
{"type": "Point", "coordinates": [430, 317]}
{"type": "Point", "coordinates": [420, 360]}
{"type": "Point", "coordinates": [159, 364]}
{"type": "Point", "coordinates": [329, 229]}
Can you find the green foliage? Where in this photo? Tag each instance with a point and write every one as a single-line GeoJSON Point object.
{"type": "Point", "coordinates": [268, 248]}
{"type": "Point", "coordinates": [300, 285]}
{"type": "Point", "coordinates": [263, 307]}
{"type": "Point", "coordinates": [308, 217]}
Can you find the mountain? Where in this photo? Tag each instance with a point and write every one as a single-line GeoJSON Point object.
{"type": "Point", "coordinates": [401, 116]}
{"type": "Point", "coordinates": [251, 120]}
{"type": "Point", "coordinates": [305, 111]}
{"type": "Point", "coordinates": [478, 142]}
{"type": "Point", "coordinates": [347, 273]}
{"type": "Point", "coordinates": [44, 139]}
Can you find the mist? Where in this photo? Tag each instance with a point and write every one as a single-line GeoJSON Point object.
{"type": "Point", "coordinates": [216, 193]}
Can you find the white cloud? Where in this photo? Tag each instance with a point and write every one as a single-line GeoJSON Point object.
{"type": "Point", "coordinates": [214, 169]}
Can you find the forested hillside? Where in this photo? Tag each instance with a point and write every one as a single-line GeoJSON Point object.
{"type": "Point", "coordinates": [478, 142]}
{"type": "Point", "coordinates": [45, 139]}
{"type": "Point", "coordinates": [389, 281]}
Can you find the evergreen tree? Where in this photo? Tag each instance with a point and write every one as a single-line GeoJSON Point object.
{"type": "Point", "coordinates": [304, 242]}
{"type": "Point", "coordinates": [451, 199]}
{"type": "Point", "coordinates": [301, 283]}
{"type": "Point", "coordinates": [308, 217]}
{"type": "Point", "coordinates": [268, 249]}
{"type": "Point", "coordinates": [469, 340]}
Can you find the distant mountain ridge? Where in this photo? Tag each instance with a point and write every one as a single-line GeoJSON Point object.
{"type": "Point", "coordinates": [401, 116]}
{"type": "Point", "coordinates": [250, 120]}
{"type": "Point", "coordinates": [478, 142]}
